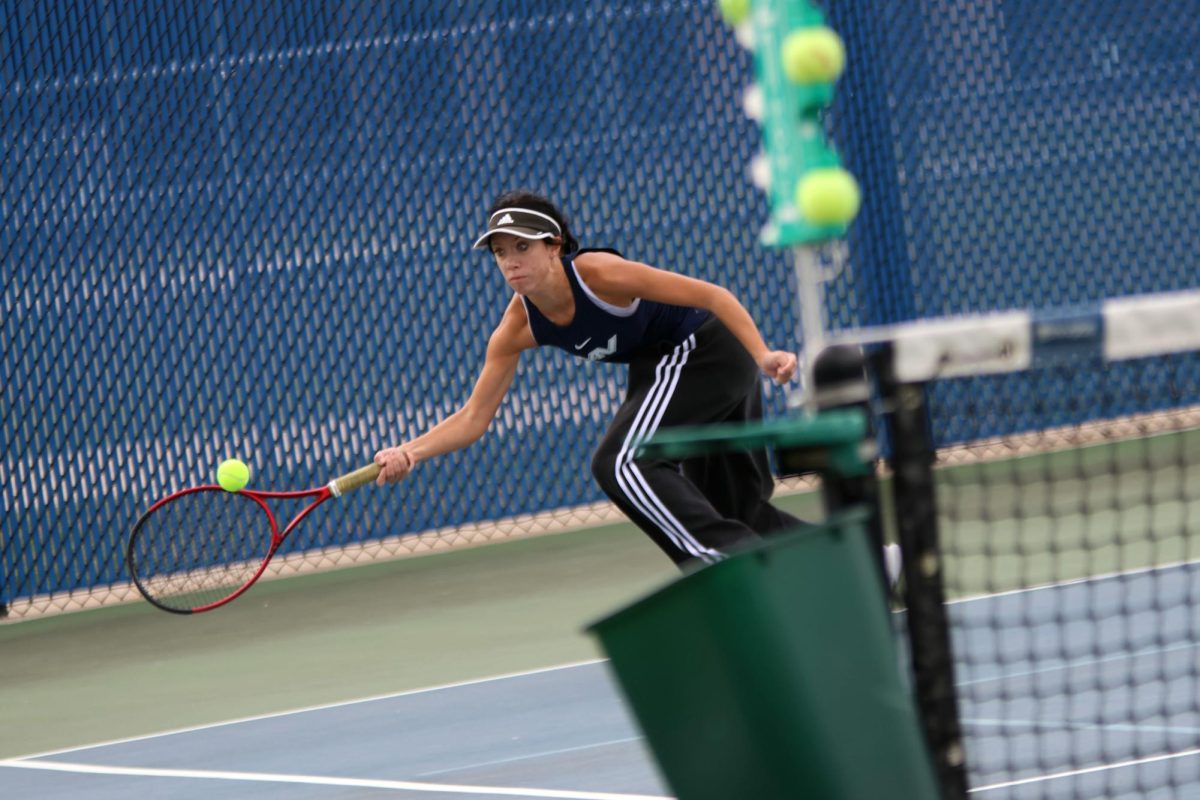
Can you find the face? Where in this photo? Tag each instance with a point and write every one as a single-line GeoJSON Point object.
{"type": "Point", "coordinates": [525, 263]}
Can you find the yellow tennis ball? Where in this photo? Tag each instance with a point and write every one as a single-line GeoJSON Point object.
{"type": "Point", "coordinates": [813, 55]}
{"type": "Point", "coordinates": [734, 11]}
{"type": "Point", "coordinates": [233, 475]}
{"type": "Point", "coordinates": [828, 196]}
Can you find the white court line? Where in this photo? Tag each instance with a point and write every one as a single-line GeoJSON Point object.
{"type": "Point", "coordinates": [1089, 770]}
{"type": "Point", "coordinates": [1063, 724]}
{"type": "Point", "coordinates": [543, 754]}
{"type": "Point", "coordinates": [1071, 664]}
{"type": "Point", "coordinates": [1075, 582]}
{"type": "Point", "coordinates": [273, 715]}
{"type": "Point", "coordinates": [323, 780]}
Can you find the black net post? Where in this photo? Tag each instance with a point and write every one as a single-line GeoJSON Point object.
{"type": "Point", "coordinates": [911, 458]}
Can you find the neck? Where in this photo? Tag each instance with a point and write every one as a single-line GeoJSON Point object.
{"type": "Point", "coordinates": [554, 297]}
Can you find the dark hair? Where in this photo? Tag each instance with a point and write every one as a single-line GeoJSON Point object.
{"type": "Point", "coordinates": [521, 198]}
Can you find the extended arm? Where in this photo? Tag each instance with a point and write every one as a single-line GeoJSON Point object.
{"type": "Point", "coordinates": [466, 425]}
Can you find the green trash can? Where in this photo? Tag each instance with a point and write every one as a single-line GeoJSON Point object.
{"type": "Point", "coordinates": [774, 674]}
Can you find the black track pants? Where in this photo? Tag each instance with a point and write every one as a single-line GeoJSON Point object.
{"type": "Point", "coordinates": [697, 508]}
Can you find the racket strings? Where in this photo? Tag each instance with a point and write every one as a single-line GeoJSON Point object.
{"type": "Point", "coordinates": [199, 548]}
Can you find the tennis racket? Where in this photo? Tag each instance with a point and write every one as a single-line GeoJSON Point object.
{"type": "Point", "coordinates": [199, 548]}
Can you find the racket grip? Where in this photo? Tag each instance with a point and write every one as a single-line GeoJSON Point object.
{"type": "Point", "coordinates": [354, 480]}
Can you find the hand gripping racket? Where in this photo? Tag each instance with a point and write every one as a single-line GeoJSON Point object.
{"type": "Point", "coordinates": [199, 548]}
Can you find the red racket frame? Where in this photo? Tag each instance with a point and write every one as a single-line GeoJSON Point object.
{"type": "Point", "coordinates": [334, 488]}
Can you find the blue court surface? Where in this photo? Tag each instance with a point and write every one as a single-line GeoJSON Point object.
{"type": "Point", "coordinates": [555, 733]}
{"type": "Point", "coordinates": [1083, 689]}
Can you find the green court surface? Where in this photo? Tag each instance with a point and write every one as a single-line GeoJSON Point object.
{"type": "Point", "coordinates": [1046, 518]}
{"type": "Point", "coordinates": [92, 676]}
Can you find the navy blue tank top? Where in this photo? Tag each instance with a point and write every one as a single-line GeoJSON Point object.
{"type": "Point", "coordinates": [604, 332]}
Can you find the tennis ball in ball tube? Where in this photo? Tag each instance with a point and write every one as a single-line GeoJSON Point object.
{"type": "Point", "coordinates": [828, 196]}
{"type": "Point", "coordinates": [734, 11]}
{"type": "Point", "coordinates": [233, 475]}
{"type": "Point", "coordinates": [813, 55]}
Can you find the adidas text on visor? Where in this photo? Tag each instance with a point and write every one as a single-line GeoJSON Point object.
{"type": "Point", "coordinates": [523, 222]}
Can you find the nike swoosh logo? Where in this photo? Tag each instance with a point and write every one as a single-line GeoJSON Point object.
{"type": "Point", "coordinates": [583, 344]}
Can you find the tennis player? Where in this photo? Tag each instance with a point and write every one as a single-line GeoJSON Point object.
{"type": "Point", "coordinates": [694, 357]}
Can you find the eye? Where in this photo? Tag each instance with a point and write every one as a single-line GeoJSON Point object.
{"type": "Point", "coordinates": [522, 246]}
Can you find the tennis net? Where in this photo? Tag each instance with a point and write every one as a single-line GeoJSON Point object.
{"type": "Point", "coordinates": [1045, 473]}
